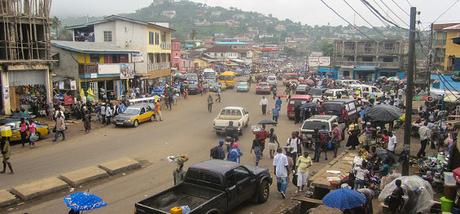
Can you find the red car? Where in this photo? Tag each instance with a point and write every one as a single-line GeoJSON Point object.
{"type": "Point", "coordinates": [263, 88]}
{"type": "Point", "coordinates": [296, 100]}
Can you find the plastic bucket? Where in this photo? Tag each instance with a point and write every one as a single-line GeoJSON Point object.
{"type": "Point", "coordinates": [446, 204]}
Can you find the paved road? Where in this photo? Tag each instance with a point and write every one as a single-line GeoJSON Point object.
{"type": "Point", "coordinates": [185, 130]}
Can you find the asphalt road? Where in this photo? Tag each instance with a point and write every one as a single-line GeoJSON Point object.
{"type": "Point", "coordinates": [185, 130]}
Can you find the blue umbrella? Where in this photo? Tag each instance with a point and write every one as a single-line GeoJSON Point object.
{"type": "Point", "coordinates": [83, 201]}
{"type": "Point", "coordinates": [344, 199]}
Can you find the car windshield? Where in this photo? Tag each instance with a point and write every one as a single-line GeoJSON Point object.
{"type": "Point", "coordinates": [301, 88]}
{"type": "Point", "coordinates": [315, 91]}
{"type": "Point", "coordinates": [263, 84]}
{"type": "Point", "coordinates": [230, 112]}
{"type": "Point", "coordinates": [332, 107]}
{"type": "Point", "coordinates": [132, 111]}
{"type": "Point", "coordinates": [242, 83]}
{"type": "Point", "coordinates": [312, 125]}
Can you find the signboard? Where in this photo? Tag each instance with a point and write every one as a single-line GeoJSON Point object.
{"type": "Point", "coordinates": [93, 75]}
{"type": "Point", "coordinates": [324, 61]}
{"type": "Point", "coordinates": [126, 71]}
{"type": "Point", "coordinates": [108, 68]}
{"type": "Point", "coordinates": [313, 61]}
{"type": "Point", "coordinates": [137, 58]}
{"type": "Point", "coordinates": [73, 85]}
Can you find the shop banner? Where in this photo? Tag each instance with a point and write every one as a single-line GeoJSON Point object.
{"type": "Point", "coordinates": [108, 69]}
{"type": "Point", "coordinates": [73, 85]}
{"type": "Point", "coordinates": [126, 71]}
{"type": "Point", "coordinates": [324, 61]}
{"type": "Point", "coordinates": [137, 58]}
{"type": "Point", "coordinates": [313, 61]}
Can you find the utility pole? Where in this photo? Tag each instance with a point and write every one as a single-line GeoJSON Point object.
{"type": "Point", "coordinates": [430, 60]}
{"type": "Point", "coordinates": [409, 90]}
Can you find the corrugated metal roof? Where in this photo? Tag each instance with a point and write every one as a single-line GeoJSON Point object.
{"type": "Point", "coordinates": [453, 27]}
{"type": "Point", "coordinates": [116, 17]}
{"type": "Point", "coordinates": [91, 47]}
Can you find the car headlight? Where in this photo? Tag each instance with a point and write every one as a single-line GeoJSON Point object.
{"type": "Point", "coordinates": [130, 121]}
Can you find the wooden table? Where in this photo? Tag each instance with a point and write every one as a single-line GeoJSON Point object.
{"type": "Point", "coordinates": [342, 163]}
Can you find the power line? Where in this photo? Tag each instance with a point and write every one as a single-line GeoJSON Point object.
{"type": "Point", "coordinates": [376, 29]}
{"type": "Point", "coordinates": [380, 15]}
{"type": "Point", "coordinates": [384, 11]}
{"type": "Point", "coordinates": [389, 8]}
{"type": "Point", "coordinates": [452, 5]}
{"type": "Point", "coordinates": [400, 7]}
{"type": "Point", "coordinates": [354, 26]}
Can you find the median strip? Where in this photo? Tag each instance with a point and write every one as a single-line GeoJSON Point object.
{"type": "Point", "coordinates": [39, 188]}
{"type": "Point", "coordinates": [120, 165]}
{"type": "Point", "coordinates": [6, 198]}
{"type": "Point", "coordinates": [81, 176]}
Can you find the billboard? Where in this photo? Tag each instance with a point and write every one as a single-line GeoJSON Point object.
{"type": "Point", "coordinates": [314, 61]}
{"type": "Point", "coordinates": [126, 71]}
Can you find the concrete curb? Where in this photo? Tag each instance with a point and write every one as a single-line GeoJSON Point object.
{"type": "Point", "coordinates": [6, 198]}
{"type": "Point", "coordinates": [120, 165]}
{"type": "Point", "coordinates": [81, 176]}
{"type": "Point", "coordinates": [39, 188]}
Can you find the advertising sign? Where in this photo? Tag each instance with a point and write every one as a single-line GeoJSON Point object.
{"type": "Point", "coordinates": [126, 71]}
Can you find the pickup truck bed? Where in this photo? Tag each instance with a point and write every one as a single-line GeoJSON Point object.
{"type": "Point", "coordinates": [180, 195]}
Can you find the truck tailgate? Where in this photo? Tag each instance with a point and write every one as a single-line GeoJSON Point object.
{"type": "Point", "coordinates": [184, 194]}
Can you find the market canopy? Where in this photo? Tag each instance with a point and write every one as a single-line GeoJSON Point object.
{"type": "Point", "coordinates": [383, 113]}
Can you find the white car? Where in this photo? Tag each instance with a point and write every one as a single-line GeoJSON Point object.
{"type": "Point", "coordinates": [272, 80]}
{"type": "Point", "coordinates": [238, 115]}
{"type": "Point", "coordinates": [317, 122]}
{"type": "Point", "coordinates": [332, 94]}
{"type": "Point", "coordinates": [366, 90]}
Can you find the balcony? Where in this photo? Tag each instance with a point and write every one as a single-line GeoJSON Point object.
{"type": "Point", "coordinates": [87, 69]}
{"type": "Point", "coordinates": [363, 63]}
{"type": "Point", "coordinates": [158, 66]}
{"type": "Point", "coordinates": [165, 46]}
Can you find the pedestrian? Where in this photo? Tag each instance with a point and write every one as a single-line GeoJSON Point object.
{"type": "Point", "coordinates": [210, 102]}
{"type": "Point", "coordinates": [361, 174]}
{"type": "Point", "coordinates": [263, 103]}
{"type": "Point", "coordinates": [103, 112]}
{"type": "Point", "coordinates": [170, 100]}
{"type": "Point", "coordinates": [273, 143]}
{"type": "Point", "coordinates": [219, 98]}
{"type": "Point", "coordinates": [395, 201]}
{"type": "Point", "coordinates": [218, 152]}
{"type": "Point", "coordinates": [297, 114]}
{"type": "Point", "coordinates": [32, 132]}
{"type": "Point", "coordinates": [108, 114]}
{"type": "Point", "coordinates": [234, 154]}
{"type": "Point", "coordinates": [324, 140]}
{"type": "Point", "coordinates": [353, 133]}
{"type": "Point", "coordinates": [23, 131]}
{"type": "Point", "coordinates": [303, 163]}
{"type": "Point", "coordinates": [121, 108]}
{"type": "Point", "coordinates": [158, 115]}
{"type": "Point", "coordinates": [281, 171]}
{"type": "Point", "coordinates": [87, 121]}
{"type": "Point", "coordinates": [6, 154]}
{"type": "Point", "coordinates": [295, 144]}
{"type": "Point", "coordinates": [336, 138]}
{"type": "Point", "coordinates": [425, 136]}
{"type": "Point", "coordinates": [278, 103]}
{"type": "Point", "coordinates": [275, 114]}
{"type": "Point", "coordinates": [392, 143]}
{"type": "Point", "coordinates": [256, 147]}
{"type": "Point", "coordinates": [60, 128]}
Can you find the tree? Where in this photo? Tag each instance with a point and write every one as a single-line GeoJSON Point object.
{"type": "Point", "coordinates": [326, 47]}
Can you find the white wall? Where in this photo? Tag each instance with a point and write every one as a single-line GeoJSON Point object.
{"type": "Point", "coordinates": [99, 31]}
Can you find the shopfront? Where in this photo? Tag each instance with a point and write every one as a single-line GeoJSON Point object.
{"type": "Point", "coordinates": [364, 73]}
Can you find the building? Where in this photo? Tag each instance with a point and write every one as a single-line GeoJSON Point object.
{"type": "Point", "coordinates": [368, 59]}
{"type": "Point", "coordinates": [25, 56]}
{"type": "Point", "coordinates": [102, 67]}
{"type": "Point", "coordinates": [445, 52]}
{"type": "Point", "coordinates": [153, 40]}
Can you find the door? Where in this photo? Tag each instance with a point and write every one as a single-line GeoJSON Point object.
{"type": "Point", "coordinates": [245, 183]}
{"type": "Point", "coordinates": [142, 115]}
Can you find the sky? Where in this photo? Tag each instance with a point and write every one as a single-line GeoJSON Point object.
{"type": "Point", "coordinates": [312, 12]}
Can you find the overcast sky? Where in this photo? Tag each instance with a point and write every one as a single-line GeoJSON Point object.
{"type": "Point", "coordinates": [306, 11]}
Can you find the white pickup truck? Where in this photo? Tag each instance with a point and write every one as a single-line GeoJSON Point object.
{"type": "Point", "coordinates": [238, 115]}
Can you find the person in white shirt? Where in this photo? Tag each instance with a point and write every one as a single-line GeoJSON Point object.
{"type": "Point", "coordinates": [392, 143]}
{"type": "Point", "coordinates": [425, 135]}
{"type": "Point", "coordinates": [360, 176]}
{"type": "Point", "coordinates": [281, 165]}
{"type": "Point", "coordinates": [294, 143]}
{"type": "Point", "coordinates": [263, 103]}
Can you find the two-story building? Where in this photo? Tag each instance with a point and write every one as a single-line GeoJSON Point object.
{"type": "Point", "coordinates": [368, 59]}
{"type": "Point", "coordinates": [104, 67]}
{"type": "Point", "coordinates": [152, 40]}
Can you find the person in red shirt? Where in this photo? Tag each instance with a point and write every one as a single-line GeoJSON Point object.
{"type": "Point", "coordinates": [336, 138]}
{"type": "Point", "coordinates": [344, 115]}
{"type": "Point", "coordinates": [261, 136]}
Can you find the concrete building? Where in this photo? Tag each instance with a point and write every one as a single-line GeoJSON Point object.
{"type": "Point", "coordinates": [446, 54]}
{"type": "Point", "coordinates": [368, 59]}
{"type": "Point", "coordinates": [153, 40]}
{"type": "Point", "coordinates": [103, 67]}
{"type": "Point", "coordinates": [25, 56]}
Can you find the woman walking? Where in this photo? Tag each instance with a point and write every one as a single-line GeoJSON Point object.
{"type": "Point", "coordinates": [353, 141]}
{"type": "Point", "coordinates": [273, 143]}
{"type": "Point", "coordinates": [32, 133]}
{"type": "Point", "coordinates": [303, 163]}
{"type": "Point", "coordinates": [23, 130]}
{"type": "Point", "coordinates": [87, 121]}
{"type": "Point", "coordinates": [6, 153]}
{"type": "Point", "coordinates": [256, 147]}
{"type": "Point", "coordinates": [60, 128]}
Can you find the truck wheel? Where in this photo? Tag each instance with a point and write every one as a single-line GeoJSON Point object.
{"type": "Point", "coordinates": [264, 192]}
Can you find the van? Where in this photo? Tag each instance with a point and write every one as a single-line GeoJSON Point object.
{"type": "Point", "coordinates": [366, 90]}
{"type": "Point", "coordinates": [296, 100]}
{"type": "Point", "coordinates": [334, 107]}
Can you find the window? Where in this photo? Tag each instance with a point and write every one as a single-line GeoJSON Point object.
{"type": "Point", "coordinates": [151, 38]}
{"type": "Point", "coordinates": [389, 46]}
{"type": "Point", "coordinates": [237, 175]}
{"type": "Point", "coordinates": [151, 57]}
{"type": "Point", "coordinates": [107, 36]}
{"type": "Point", "coordinates": [387, 59]}
{"type": "Point", "coordinates": [163, 36]}
{"type": "Point", "coordinates": [368, 59]}
{"type": "Point", "coordinates": [94, 59]}
{"type": "Point", "coordinates": [157, 38]}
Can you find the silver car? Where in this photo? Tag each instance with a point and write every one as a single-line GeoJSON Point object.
{"type": "Point", "coordinates": [242, 87]}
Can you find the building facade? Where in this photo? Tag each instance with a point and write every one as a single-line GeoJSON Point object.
{"type": "Point", "coordinates": [153, 40]}
{"type": "Point", "coordinates": [368, 59]}
{"type": "Point", "coordinates": [102, 67]}
{"type": "Point", "coordinates": [446, 54]}
{"type": "Point", "coordinates": [25, 56]}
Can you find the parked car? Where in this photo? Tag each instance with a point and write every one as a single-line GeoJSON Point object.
{"type": "Point", "coordinates": [242, 87]}
{"type": "Point", "coordinates": [302, 89]}
{"type": "Point", "coordinates": [334, 107]}
{"type": "Point", "coordinates": [263, 88]}
{"type": "Point", "coordinates": [296, 100]}
{"type": "Point", "coordinates": [212, 187]}
{"type": "Point", "coordinates": [134, 115]}
{"type": "Point", "coordinates": [238, 115]}
{"type": "Point", "coordinates": [42, 129]}
{"type": "Point", "coordinates": [317, 122]}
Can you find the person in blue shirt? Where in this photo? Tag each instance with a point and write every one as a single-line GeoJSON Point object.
{"type": "Point", "coordinates": [278, 103]}
{"type": "Point", "coordinates": [234, 154]}
{"type": "Point", "coordinates": [275, 114]}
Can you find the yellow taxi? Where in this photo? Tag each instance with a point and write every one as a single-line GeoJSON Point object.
{"type": "Point", "coordinates": [134, 115]}
{"type": "Point", "coordinates": [42, 129]}
{"type": "Point", "coordinates": [228, 78]}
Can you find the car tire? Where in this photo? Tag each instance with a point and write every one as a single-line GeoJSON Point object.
{"type": "Point", "coordinates": [152, 118]}
{"type": "Point", "coordinates": [263, 192]}
{"type": "Point", "coordinates": [136, 123]}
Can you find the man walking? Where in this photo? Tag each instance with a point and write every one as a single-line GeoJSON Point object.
{"type": "Point", "coordinates": [60, 128]}
{"type": "Point", "coordinates": [6, 153]}
{"type": "Point", "coordinates": [210, 102]}
{"type": "Point", "coordinates": [158, 111]}
{"type": "Point", "coordinates": [392, 143]}
{"type": "Point", "coordinates": [278, 103]}
{"type": "Point", "coordinates": [218, 151]}
{"type": "Point", "coordinates": [275, 114]}
{"type": "Point", "coordinates": [425, 135]}
{"type": "Point", "coordinates": [294, 144]}
{"type": "Point", "coordinates": [336, 138]}
{"type": "Point", "coordinates": [263, 103]}
{"type": "Point", "coordinates": [281, 165]}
